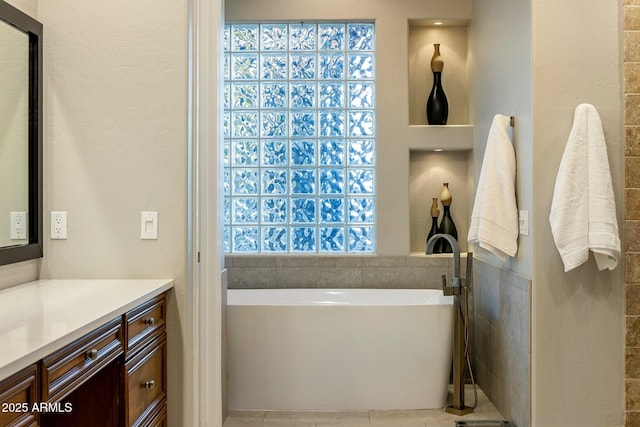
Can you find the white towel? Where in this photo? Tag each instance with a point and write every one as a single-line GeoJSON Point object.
{"type": "Point", "coordinates": [583, 210]}
{"type": "Point", "coordinates": [494, 218]}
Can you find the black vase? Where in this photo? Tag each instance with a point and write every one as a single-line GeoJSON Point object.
{"type": "Point", "coordinates": [437, 105]}
{"type": "Point", "coordinates": [447, 227]}
{"type": "Point", "coordinates": [435, 213]}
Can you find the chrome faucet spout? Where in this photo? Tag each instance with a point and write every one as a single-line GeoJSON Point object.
{"type": "Point", "coordinates": [456, 253]}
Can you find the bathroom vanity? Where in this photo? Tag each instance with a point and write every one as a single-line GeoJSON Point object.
{"type": "Point", "coordinates": [83, 353]}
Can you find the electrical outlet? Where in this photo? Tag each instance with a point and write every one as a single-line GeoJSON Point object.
{"type": "Point", "coordinates": [58, 225]}
{"type": "Point", "coordinates": [18, 225]}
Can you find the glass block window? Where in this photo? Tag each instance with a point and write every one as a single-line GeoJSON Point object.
{"type": "Point", "coordinates": [299, 126]}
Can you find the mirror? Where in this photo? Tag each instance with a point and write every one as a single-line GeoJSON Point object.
{"type": "Point", "coordinates": [20, 136]}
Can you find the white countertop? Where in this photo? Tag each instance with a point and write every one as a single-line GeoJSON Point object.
{"type": "Point", "coordinates": [39, 317]}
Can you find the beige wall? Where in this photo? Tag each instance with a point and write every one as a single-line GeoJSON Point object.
{"type": "Point", "coordinates": [538, 60]}
{"type": "Point", "coordinates": [115, 104]}
{"type": "Point", "coordinates": [577, 336]}
{"type": "Point", "coordinates": [501, 83]}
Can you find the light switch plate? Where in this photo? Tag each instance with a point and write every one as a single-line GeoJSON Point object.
{"type": "Point", "coordinates": [149, 225]}
{"type": "Point", "coordinates": [523, 220]}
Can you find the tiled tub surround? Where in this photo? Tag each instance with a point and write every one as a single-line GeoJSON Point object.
{"type": "Point", "coordinates": [502, 339]}
{"type": "Point", "coordinates": [402, 272]}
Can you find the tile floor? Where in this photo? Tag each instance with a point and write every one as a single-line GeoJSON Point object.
{"type": "Point", "coordinates": [379, 418]}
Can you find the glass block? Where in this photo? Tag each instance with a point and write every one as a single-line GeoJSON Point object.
{"type": "Point", "coordinates": [226, 131]}
{"type": "Point", "coordinates": [331, 66]}
{"type": "Point", "coordinates": [361, 239]}
{"type": "Point", "coordinates": [360, 65]}
{"type": "Point", "coordinates": [274, 181]}
{"type": "Point", "coordinates": [245, 152]}
{"type": "Point", "coordinates": [288, 85]}
{"type": "Point", "coordinates": [303, 66]}
{"type": "Point", "coordinates": [361, 36]}
{"type": "Point", "coordinates": [226, 153]}
{"type": "Point", "coordinates": [302, 37]}
{"type": "Point", "coordinates": [245, 181]}
{"type": "Point", "coordinates": [361, 123]}
{"type": "Point", "coordinates": [244, 211]}
{"type": "Point", "coordinates": [244, 66]}
{"type": "Point", "coordinates": [274, 152]}
{"type": "Point", "coordinates": [303, 239]}
{"type": "Point", "coordinates": [245, 95]}
{"type": "Point", "coordinates": [244, 37]}
{"type": "Point", "coordinates": [303, 124]}
{"type": "Point", "coordinates": [361, 181]}
{"type": "Point", "coordinates": [273, 36]}
{"type": "Point", "coordinates": [245, 124]}
{"type": "Point", "coordinates": [226, 210]}
{"type": "Point", "coordinates": [274, 67]}
{"type": "Point", "coordinates": [274, 211]}
{"type": "Point", "coordinates": [331, 181]}
{"type": "Point", "coordinates": [274, 239]}
{"type": "Point", "coordinates": [331, 152]}
{"type": "Point", "coordinates": [303, 210]}
{"type": "Point", "coordinates": [226, 66]}
{"type": "Point", "coordinates": [331, 123]}
{"type": "Point", "coordinates": [331, 239]}
{"type": "Point", "coordinates": [226, 239]}
{"type": "Point", "coordinates": [226, 96]}
{"type": "Point", "coordinates": [332, 211]}
{"type": "Point", "coordinates": [303, 152]}
{"type": "Point", "coordinates": [226, 183]}
{"type": "Point", "coordinates": [245, 239]}
{"type": "Point", "coordinates": [361, 95]}
{"type": "Point", "coordinates": [303, 181]}
{"type": "Point", "coordinates": [274, 124]}
{"type": "Point", "coordinates": [226, 37]}
{"type": "Point", "coordinates": [361, 210]}
{"type": "Point", "coordinates": [274, 95]}
{"type": "Point", "coordinates": [303, 95]}
{"type": "Point", "coordinates": [331, 36]}
{"type": "Point", "coordinates": [331, 95]}
{"type": "Point", "coordinates": [361, 152]}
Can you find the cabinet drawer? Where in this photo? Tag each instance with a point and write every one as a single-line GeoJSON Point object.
{"type": "Point", "coordinates": [145, 383]}
{"type": "Point", "coordinates": [68, 368]}
{"type": "Point", "coordinates": [18, 393]}
{"type": "Point", "coordinates": [145, 322]}
{"type": "Point", "coordinates": [160, 419]}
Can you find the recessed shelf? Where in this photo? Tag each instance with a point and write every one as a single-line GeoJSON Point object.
{"type": "Point", "coordinates": [453, 48]}
{"type": "Point", "coordinates": [445, 138]}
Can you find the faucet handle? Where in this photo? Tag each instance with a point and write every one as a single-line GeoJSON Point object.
{"type": "Point", "coordinates": [446, 290]}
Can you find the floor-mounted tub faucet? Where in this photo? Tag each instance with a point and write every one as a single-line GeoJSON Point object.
{"type": "Point", "coordinates": [458, 289]}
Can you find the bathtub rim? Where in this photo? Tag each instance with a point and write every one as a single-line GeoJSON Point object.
{"type": "Point", "coordinates": [337, 297]}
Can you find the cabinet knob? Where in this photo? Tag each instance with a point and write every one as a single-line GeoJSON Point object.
{"type": "Point", "coordinates": [150, 321]}
{"type": "Point", "coordinates": [92, 354]}
{"type": "Point", "coordinates": [149, 384]}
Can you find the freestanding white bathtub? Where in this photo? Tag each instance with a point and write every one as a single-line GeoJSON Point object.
{"type": "Point", "coordinates": [319, 349]}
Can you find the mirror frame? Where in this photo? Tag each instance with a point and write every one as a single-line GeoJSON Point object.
{"type": "Point", "coordinates": [34, 248]}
